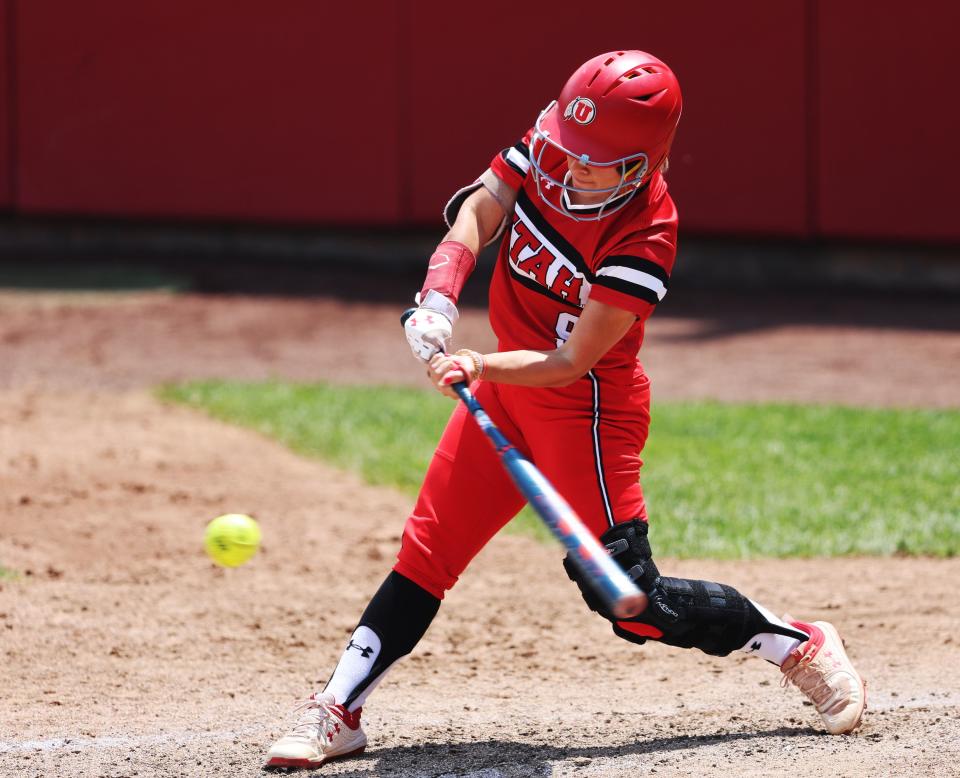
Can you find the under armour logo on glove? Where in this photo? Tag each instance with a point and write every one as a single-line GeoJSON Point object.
{"type": "Point", "coordinates": [364, 651]}
{"type": "Point", "coordinates": [428, 320]}
{"type": "Point", "coordinates": [429, 330]}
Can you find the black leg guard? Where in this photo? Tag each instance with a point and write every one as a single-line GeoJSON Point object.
{"type": "Point", "coordinates": [713, 617]}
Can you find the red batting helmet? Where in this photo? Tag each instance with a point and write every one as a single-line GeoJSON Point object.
{"type": "Point", "coordinates": [618, 109]}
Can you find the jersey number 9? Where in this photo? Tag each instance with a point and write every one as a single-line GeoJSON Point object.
{"type": "Point", "coordinates": [565, 323]}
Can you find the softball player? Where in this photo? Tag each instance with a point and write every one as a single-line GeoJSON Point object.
{"type": "Point", "coordinates": [589, 237]}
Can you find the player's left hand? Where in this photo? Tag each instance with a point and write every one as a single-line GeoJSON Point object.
{"type": "Point", "coordinates": [428, 333]}
{"type": "Point", "coordinates": [430, 328]}
{"type": "Point", "coordinates": [444, 370]}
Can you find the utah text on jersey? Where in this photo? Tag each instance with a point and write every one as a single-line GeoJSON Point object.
{"type": "Point", "coordinates": [542, 260]}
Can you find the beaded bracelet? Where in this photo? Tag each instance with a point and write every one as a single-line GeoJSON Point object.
{"type": "Point", "coordinates": [479, 366]}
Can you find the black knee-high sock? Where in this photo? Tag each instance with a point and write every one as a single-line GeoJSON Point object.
{"type": "Point", "coordinates": [392, 624]}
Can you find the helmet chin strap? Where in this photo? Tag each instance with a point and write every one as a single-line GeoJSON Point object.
{"type": "Point", "coordinates": [634, 169]}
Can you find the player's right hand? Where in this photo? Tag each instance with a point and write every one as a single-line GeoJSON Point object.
{"type": "Point", "coordinates": [430, 328]}
{"type": "Point", "coordinates": [444, 370]}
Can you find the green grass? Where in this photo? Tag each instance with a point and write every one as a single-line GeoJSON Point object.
{"type": "Point", "coordinates": [6, 574]}
{"type": "Point", "coordinates": [788, 480]}
{"type": "Point", "coordinates": [721, 481]}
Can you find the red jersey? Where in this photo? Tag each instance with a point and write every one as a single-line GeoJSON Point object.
{"type": "Point", "coordinates": [549, 265]}
{"type": "Point", "coordinates": [586, 438]}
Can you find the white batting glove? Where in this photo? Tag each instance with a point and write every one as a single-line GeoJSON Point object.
{"type": "Point", "coordinates": [430, 328]}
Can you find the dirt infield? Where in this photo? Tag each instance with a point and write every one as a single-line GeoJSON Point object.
{"type": "Point", "coordinates": [124, 652]}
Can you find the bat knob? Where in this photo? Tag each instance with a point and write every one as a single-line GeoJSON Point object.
{"type": "Point", "coordinates": [406, 315]}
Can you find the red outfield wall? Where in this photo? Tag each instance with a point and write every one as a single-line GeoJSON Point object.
{"type": "Point", "coordinates": [730, 172]}
{"type": "Point", "coordinates": [375, 113]}
{"type": "Point", "coordinates": [6, 108]}
{"type": "Point", "coordinates": [888, 128]}
{"type": "Point", "coordinates": [220, 109]}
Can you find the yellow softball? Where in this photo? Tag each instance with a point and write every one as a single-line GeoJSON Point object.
{"type": "Point", "coordinates": [232, 539]}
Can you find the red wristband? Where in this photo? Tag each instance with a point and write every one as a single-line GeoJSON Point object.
{"type": "Point", "coordinates": [449, 267]}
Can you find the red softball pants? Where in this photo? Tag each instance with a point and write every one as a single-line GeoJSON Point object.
{"type": "Point", "coordinates": [585, 438]}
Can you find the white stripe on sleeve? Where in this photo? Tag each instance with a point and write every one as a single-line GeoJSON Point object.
{"type": "Point", "coordinates": [518, 159]}
{"type": "Point", "coordinates": [637, 277]}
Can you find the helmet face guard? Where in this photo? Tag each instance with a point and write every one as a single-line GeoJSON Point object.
{"type": "Point", "coordinates": [633, 171]}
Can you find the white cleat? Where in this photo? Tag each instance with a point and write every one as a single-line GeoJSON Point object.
{"type": "Point", "coordinates": [821, 669]}
{"type": "Point", "coordinates": [324, 730]}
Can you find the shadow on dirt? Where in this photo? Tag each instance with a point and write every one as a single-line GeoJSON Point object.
{"type": "Point", "coordinates": [725, 287]}
{"type": "Point", "coordinates": [723, 312]}
{"type": "Point", "coordinates": [509, 759]}
{"type": "Point", "coordinates": [715, 311]}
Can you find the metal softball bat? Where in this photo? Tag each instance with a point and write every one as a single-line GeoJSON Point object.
{"type": "Point", "coordinates": [620, 595]}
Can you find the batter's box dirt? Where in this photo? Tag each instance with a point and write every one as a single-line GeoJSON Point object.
{"type": "Point", "coordinates": [125, 652]}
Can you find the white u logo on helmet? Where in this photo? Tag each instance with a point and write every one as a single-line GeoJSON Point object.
{"type": "Point", "coordinates": [581, 109]}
